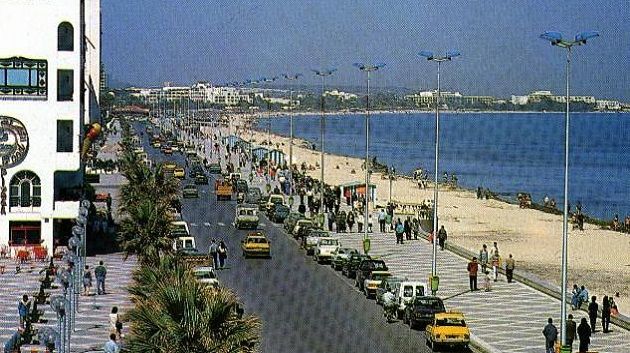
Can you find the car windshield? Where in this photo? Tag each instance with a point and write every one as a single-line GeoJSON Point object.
{"type": "Point", "coordinates": [205, 274]}
{"type": "Point", "coordinates": [379, 276]}
{"type": "Point", "coordinates": [379, 266]}
{"type": "Point", "coordinates": [329, 242]}
{"type": "Point", "coordinates": [430, 303]}
{"type": "Point", "coordinates": [450, 322]}
{"type": "Point", "coordinates": [258, 240]}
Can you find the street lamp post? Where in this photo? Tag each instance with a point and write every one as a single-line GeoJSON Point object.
{"type": "Point", "coordinates": [555, 38]}
{"type": "Point", "coordinates": [439, 59]}
{"type": "Point", "coordinates": [323, 74]}
{"type": "Point", "coordinates": [291, 78]}
{"type": "Point", "coordinates": [367, 69]}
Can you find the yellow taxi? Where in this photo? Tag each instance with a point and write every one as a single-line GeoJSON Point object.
{"type": "Point", "coordinates": [256, 244]}
{"type": "Point", "coordinates": [448, 329]}
{"type": "Point", "coordinates": [179, 173]}
{"type": "Point", "coordinates": [169, 166]}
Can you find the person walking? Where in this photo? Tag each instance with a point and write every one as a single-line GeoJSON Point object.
{"type": "Point", "coordinates": [415, 227]}
{"type": "Point", "coordinates": [509, 268]}
{"type": "Point", "coordinates": [24, 308]}
{"type": "Point", "coordinates": [473, 268]}
{"type": "Point", "coordinates": [115, 326]}
{"type": "Point", "coordinates": [571, 331]}
{"type": "Point", "coordinates": [213, 250]}
{"type": "Point", "coordinates": [592, 312]}
{"type": "Point", "coordinates": [400, 230]}
{"type": "Point", "coordinates": [551, 335]}
{"type": "Point", "coordinates": [381, 220]}
{"type": "Point", "coordinates": [483, 257]}
{"type": "Point", "coordinates": [111, 346]}
{"type": "Point", "coordinates": [584, 333]}
{"type": "Point", "coordinates": [350, 220]}
{"type": "Point", "coordinates": [496, 262]}
{"type": "Point", "coordinates": [605, 314]}
{"type": "Point", "coordinates": [222, 250]}
{"type": "Point", "coordinates": [87, 280]}
{"type": "Point", "coordinates": [442, 237]}
{"type": "Point", "coordinates": [100, 272]}
{"type": "Point", "coordinates": [407, 226]}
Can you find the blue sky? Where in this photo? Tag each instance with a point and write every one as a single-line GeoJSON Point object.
{"type": "Point", "coordinates": [147, 42]}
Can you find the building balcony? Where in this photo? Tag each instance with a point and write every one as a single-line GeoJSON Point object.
{"type": "Point", "coordinates": [19, 204]}
{"type": "Point", "coordinates": [66, 209]}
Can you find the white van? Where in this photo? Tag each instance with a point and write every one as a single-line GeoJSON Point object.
{"type": "Point", "coordinates": [405, 291]}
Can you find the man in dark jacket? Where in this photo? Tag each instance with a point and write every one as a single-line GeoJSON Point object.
{"type": "Point", "coordinates": [605, 314]}
{"type": "Point", "coordinates": [551, 335]}
{"type": "Point", "coordinates": [592, 312]}
{"type": "Point", "coordinates": [473, 268]}
{"type": "Point", "coordinates": [584, 332]}
{"type": "Point", "coordinates": [442, 237]}
{"type": "Point", "coordinates": [571, 331]}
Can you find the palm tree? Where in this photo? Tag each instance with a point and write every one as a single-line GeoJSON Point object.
{"type": "Point", "coordinates": [146, 279]}
{"type": "Point", "coordinates": [182, 315]}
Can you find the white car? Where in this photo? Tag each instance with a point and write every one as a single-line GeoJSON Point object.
{"type": "Point", "coordinates": [325, 249]}
{"type": "Point", "coordinates": [206, 275]}
{"type": "Point", "coordinates": [310, 242]}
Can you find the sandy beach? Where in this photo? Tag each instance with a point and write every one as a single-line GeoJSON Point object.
{"type": "Point", "coordinates": [598, 259]}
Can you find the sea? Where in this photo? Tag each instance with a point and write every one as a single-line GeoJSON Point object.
{"type": "Point", "coordinates": [505, 152]}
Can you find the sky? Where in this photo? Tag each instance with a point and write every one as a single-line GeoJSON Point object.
{"type": "Point", "coordinates": [148, 42]}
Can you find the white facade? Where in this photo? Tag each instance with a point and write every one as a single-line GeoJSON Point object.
{"type": "Point", "coordinates": [199, 92]}
{"type": "Point", "coordinates": [47, 103]}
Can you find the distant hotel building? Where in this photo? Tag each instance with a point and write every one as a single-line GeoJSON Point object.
{"type": "Point", "coordinates": [49, 89]}
{"type": "Point", "coordinates": [201, 92]}
{"type": "Point", "coordinates": [539, 96]}
{"type": "Point", "coordinates": [427, 99]}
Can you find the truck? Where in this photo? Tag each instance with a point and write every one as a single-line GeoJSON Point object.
{"type": "Point", "coordinates": [223, 189]}
{"type": "Point", "coordinates": [185, 246]}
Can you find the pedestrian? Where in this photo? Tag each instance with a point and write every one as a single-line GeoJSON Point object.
{"type": "Point", "coordinates": [87, 280]}
{"type": "Point", "coordinates": [381, 220]}
{"type": "Point", "coordinates": [115, 325]}
{"type": "Point", "coordinates": [584, 333]}
{"type": "Point", "coordinates": [551, 335]}
{"type": "Point", "coordinates": [13, 344]}
{"type": "Point", "coordinates": [370, 223]}
{"type": "Point", "coordinates": [350, 220]}
{"type": "Point", "coordinates": [495, 248]}
{"type": "Point", "coordinates": [483, 257]}
{"type": "Point", "coordinates": [331, 220]}
{"type": "Point", "coordinates": [442, 237]}
{"type": "Point", "coordinates": [400, 230]}
{"type": "Point", "coordinates": [592, 312]}
{"type": "Point", "coordinates": [415, 227]}
{"type": "Point", "coordinates": [575, 297]}
{"type": "Point", "coordinates": [222, 250]}
{"type": "Point", "coordinates": [407, 226]}
{"type": "Point", "coordinates": [213, 250]}
{"type": "Point", "coordinates": [571, 331]}
{"type": "Point", "coordinates": [360, 220]}
{"type": "Point", "coordinates": [496, 262]}
{"type": "Point", "coordinates": [605, 314]}
{"type": "Point", "coordinates": [24, 308]}
{"type": "Point", "coordinates": [487, 281]}
{"type": "Point", "coordinates": [111, 346]}
{"type": "Point", "coordinates": [100, 272]}
{"type": "Point", "coordinates": [473, 268]}
{"type": "Point", "coordinates": [509, 268]}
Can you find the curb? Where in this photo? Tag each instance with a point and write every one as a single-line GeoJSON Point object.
{"type": "Point", "coordinates": [479, 345]}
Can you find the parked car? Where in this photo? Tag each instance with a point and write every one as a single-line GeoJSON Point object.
{"type": "Point", "coordinates": [349, 269]}
{"type": "Point", "coordinates": [279, 213]}
{"type": "Point", "coordinates": [324, 249]}
{"type": "Point", "coordinates": [246, 217]}
{"type": "Point", "coordinates": [190, 191]}
{"type": "Point", "coordinates": [253, 195]}
{"type": "Point", "coordinates": [448, 329]}
{"type": "Point", "coordinates": [405, 292]}
{"type": "Point", "coordinates": [421, 310]}
{"type": "Point", "coordinates": [371, 282]}
{"type": "Point", "coordinates": [388, 284]}
{"type": "Point", "coordinates": [340, 256]}
{"type": "Point", "coordinates": [309, 242]}
{"type": "Point", "coordinates": [256, 244]}
{"type": "Point", "coordinates": [292, 218]}
{"type": "Point", "coordinates": [365, 269]}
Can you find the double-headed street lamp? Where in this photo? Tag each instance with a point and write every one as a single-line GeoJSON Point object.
{"type": "Point", "coordinates": [291, 78]}
{"type": "Point", "coordinates": [439, 59]}
{"type": "Point", "coordinates": [555, 38]}
{"type": "Point", "coordinates": [322, 121]}
{"type": "Point", "coordinates": [367, 68]}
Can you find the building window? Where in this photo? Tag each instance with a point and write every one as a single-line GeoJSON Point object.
{"type": "Point", "coordinates": [23, 78]}
{"type": "Point", "coordinates": [65, 37]}
{"type": "Point", "coordinates": [65, 85]}
{"type": "Point", "coordinates": [25, 233]}
{"type": "Point", "coordinates": [65, 136]}
{"type": "Point", "coordinates": [25, 190]}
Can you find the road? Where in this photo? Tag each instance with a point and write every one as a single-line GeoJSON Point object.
{"type": "Point", "coordinates": [304, 307]}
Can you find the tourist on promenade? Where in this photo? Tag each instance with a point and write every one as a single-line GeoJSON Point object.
{"type": "Point", "coordinates": [100, 272]}
{"type": "Point", "coordinates": [111, 346]}
{"type": "Point", "coordinates": [14, 343]}
{"type": "Point", "coordinates": [582, 297]}
{"type": "Point", "coordinates": [360, 220]}
{"type": "Point", "coordinates": [214, 252]}
{"type": "Point", "coordinates": [496, 259]}
{"type": "Point", "coordinates": [350, 220]}
{"type": "Point", "coordinates": [87, 280]}
{"type": "Point", "coordinates": [370, 223]}
{"type": "Point", "coordinates": [483, 258]}
{"type": "Point", "coordinates": [509, 268]}
{"type": "Point", "coordinates": [400, 230]}
{"type": "Point", "coordinates": [473, 268]}
{"type": "Point", "coordinates": [487, 281]}
{"type": "Point", "coordinates": [614, 311]}
{"type": "Point", "coordinates": [442, 237]}
{"type": "Point", "coordinates": [415, 227]}
{"type": "Point", "coordinates": [495, 248]}
{"type": "Point", "coordinates": [551, 335]}
{"type": "Point", "coordinates": [571, 331]}
{"type": "Point", "coordinates": [584, 333]}
{"type": "Point", "coordinates": [407, 226]}
{"type": "Point", "coordinates": [605, 314]}
{"type": "Point", "coordinates": [592, 312]}
{"type": "Point", "coordinates": [331, 220]}
{"type": "Point", "coordinates": [222, 250]}
{"type": "Point", "coordinates": [115, 325]}
{"type": "Point", "coordinates": [24, 308]}
{"type": "Point", "coordinates": [381, 220]}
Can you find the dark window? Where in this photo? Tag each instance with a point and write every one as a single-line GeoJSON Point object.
{"type": "Point", "coordinates": [65, 37]}
{"type": "Point", "coordinates": [25, 190]}
{"type": "Point", "coordinates": [65, 136]}
{"type": "Point", "coordinates": [21, 77]}
{"type": "Point", "coordinates": [25, 233]}
{"type": "Point", "coordinates": [65, 85]}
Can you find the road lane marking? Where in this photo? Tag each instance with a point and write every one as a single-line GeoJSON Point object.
{"type": "Point", "coordinates": [221, 224]}
{"type": "Point", "coordinates": [207, 224]}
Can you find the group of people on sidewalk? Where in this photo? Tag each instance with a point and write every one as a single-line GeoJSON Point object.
{"type": "Point", "coordinates": [582, 331]}
{"type": "Point", "coordinates": [489, 260]}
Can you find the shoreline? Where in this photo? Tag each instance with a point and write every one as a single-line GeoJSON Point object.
{"type": "Point", "coordinates": [276, 114]}
{"type": "Point", "coordinates": [599, 258]}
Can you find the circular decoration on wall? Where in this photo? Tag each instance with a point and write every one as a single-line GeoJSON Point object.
{"type": "Point", "coordinates": [13, 142]}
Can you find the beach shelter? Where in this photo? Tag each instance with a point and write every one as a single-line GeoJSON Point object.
{"type": "Point", "coordinates": [348, 189]}
{"type": "Point", "coordinates": [260, 152]}
{"type": "Point", "coordinates": [277, 157]}
{"type": "Point", "coordinates": [243, 144]}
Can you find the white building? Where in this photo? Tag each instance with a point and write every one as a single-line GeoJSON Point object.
{"type": "Point", "coordinates": [603, 104]}
{"type": "Point", "coordinates": [520, 100]}
{"type": "Point", "coordinates": [49, 87]}
{"type": "Point", "coordinates": [199, 92]}
{"type": "Point", "coordinates": [341, 95]}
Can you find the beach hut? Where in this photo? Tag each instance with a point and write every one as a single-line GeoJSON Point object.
{"type": "Point", "coordinates": [243, 144]}
{"type": "Point", "coordinates": [277, 157]}
{"type": "Point", "coordinates": [348, 189]}
{"type": "Point", "coordinates": [260, 152]}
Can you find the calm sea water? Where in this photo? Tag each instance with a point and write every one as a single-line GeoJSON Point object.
{"type": "Point", "coordinates": [505, 152]}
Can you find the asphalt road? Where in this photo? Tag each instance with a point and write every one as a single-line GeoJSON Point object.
{"type": "Point", "coordinates": [304, 307]}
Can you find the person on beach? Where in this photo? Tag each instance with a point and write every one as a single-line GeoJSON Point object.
{"type": "Point", "coordinates": [551, 335]}
{"type": "Point", "coordinates": [483, 257]}
{"type": "Point", "coordinates": [442, 237]}
{"type": "Point", "coordinates": [605, 314]}
{"type": "Point", "coordinates": [509, 268]}
{"type": "Point", "coordinates": [473, 268]}
{"type": "Point", "coordinates": [584, 333]}
{"type": "Point", "coordinates": [571, 331]}
{"type": "Point", "coordinates": [592, 312]}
